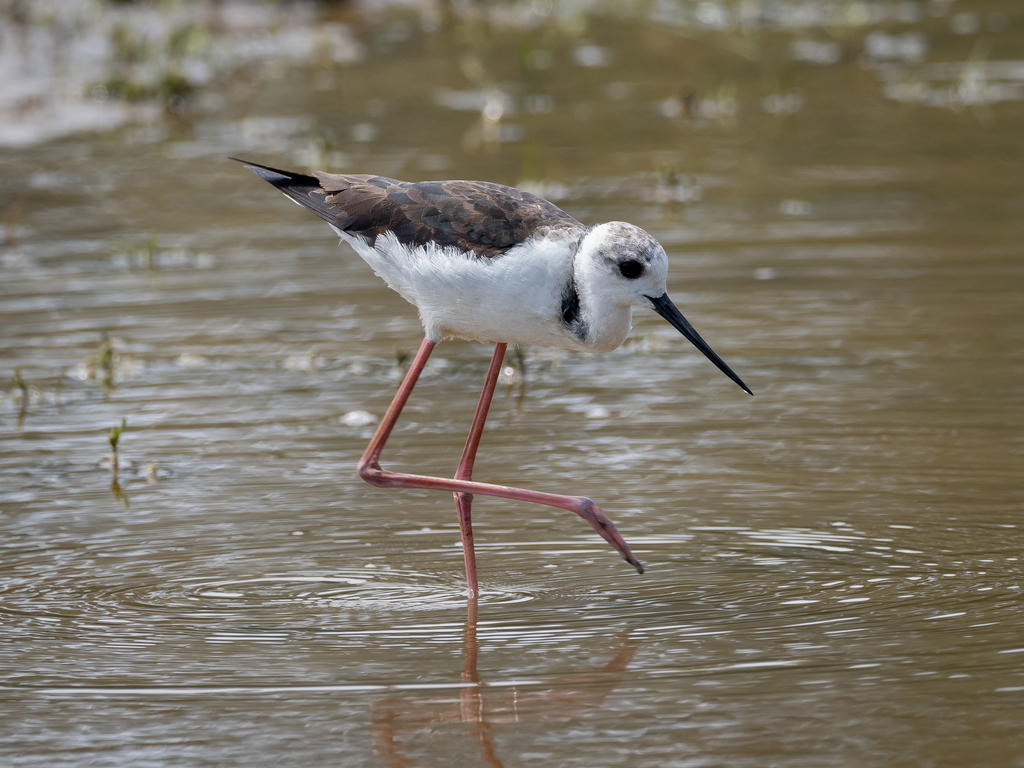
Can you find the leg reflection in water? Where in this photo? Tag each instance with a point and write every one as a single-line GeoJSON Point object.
{"type": "Point", "coordinates": [398, 721]}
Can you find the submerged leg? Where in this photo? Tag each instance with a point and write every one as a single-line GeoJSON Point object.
{"type": "Point", "coordinates": [370, 470]}
{"type": "Point", "coordinates": [464, 501]}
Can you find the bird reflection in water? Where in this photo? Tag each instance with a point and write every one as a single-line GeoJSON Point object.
{"type": "Point", "coordinates": [398, 720]}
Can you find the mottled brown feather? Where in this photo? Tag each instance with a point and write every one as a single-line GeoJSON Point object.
{"type": "Point", "coordinates": [472, 216]}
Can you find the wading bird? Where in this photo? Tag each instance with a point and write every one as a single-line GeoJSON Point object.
{"type": "Point", "coordinates": [494, 264]}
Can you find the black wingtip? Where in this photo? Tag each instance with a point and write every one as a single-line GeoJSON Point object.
{"type": "Point", "coordinates": [276, 176]}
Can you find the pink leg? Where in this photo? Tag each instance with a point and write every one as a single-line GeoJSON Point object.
{"type": "Point", "coordinates": [370, 470]}
{"type": "Point", "coordinates": [464, 501]}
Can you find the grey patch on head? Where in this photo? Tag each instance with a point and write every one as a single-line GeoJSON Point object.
{"type": "Point", "coordinates": [626, 242]}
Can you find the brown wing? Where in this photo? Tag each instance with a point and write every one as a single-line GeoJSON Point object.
{"type": "Point", "coordinates": [486, 219]}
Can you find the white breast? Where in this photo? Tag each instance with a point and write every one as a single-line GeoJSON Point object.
{"type": "Point", "coordinates": [514, 298]}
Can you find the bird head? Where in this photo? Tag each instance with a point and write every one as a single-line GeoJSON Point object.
{"type": "Point", "coordinates": [625, 266]}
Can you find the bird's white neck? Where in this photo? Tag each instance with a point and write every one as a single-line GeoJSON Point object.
{"type": "Point", "coordinates": [606, 319]}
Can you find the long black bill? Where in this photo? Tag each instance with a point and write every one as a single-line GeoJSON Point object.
{"type": "Point", "coordinates": [663, 306]}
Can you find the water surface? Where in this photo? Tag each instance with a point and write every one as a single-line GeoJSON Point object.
{"type": "Point", "coordinates": [833, 566]}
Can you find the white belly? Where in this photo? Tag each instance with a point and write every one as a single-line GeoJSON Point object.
{"type": "Point", "coordinates": [515, 298]}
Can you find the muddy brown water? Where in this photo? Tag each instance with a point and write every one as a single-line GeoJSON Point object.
{"type": "Point", "coordinates": [834, 567]}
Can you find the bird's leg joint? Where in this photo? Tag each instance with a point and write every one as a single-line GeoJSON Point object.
{"type": "Point", "coordinates": [589, 511]}
{"type": "Point", "coordinates": [370, 470]}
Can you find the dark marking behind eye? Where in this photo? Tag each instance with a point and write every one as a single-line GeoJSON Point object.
{"type": "Point", "coordinates": [570, 305]}
{"type": "Point", "coordinates": [631, 270]}
{"type": "Point", "coordinates": [570, 311]}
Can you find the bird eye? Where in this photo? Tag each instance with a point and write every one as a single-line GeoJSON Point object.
{"type": "Point", "coordinates": [631, 270]}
